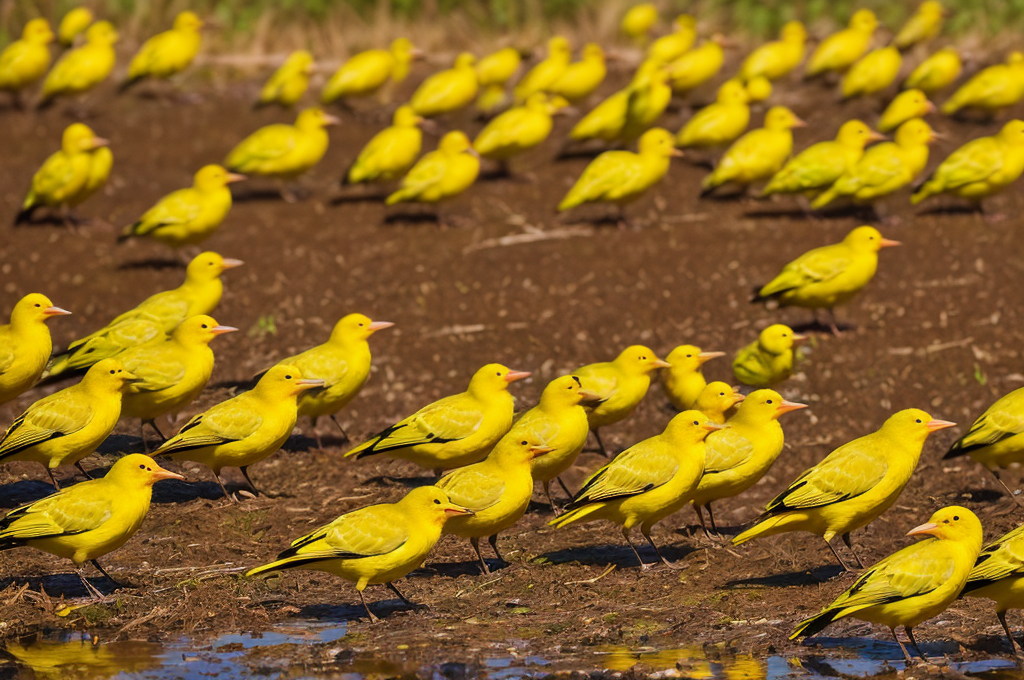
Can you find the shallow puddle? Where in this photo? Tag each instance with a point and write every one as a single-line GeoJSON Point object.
{"type": "Point", "coordinates": [273, 655]}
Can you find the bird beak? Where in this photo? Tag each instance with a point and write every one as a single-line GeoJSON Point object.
{"type": "Point", "coordinates": [473, 152]}
{"type": "Point", "coordinates": [331, 120]}
{"type": "Point", "coordinates": [55, 311]}
{"type": "Point", "coordinates": [613, 56]}
{"type": "Point", "coordinates": [589, 398]}
{"type": "Point", "coordinates": [660, 363]}
{"type": "Point", "coordinates": [737, 397]}
{"type": "Point", "coordinates": [704, 357]}
{"type": "Point", "coordinates": [874, 136]}
{"type": "Point", "coordinates": [380, 325]}
{"type": "Point", "coordinates": [934, 425]}
{"type": "Point", "coordinates": [133, 381]}
{"type": "Point", "coordinates": [98, 142]}
{"type": "Point", "coordinates": [513, 376]}
{"type": "Point", "coordinates": [233, 177]}
{"type": "Point", "coordinates": [677, 153]}
{"type": "Point", "coordinates": [308, 383]}
{"type": "Point", "coordinates": [799, 122]}
{"type": "Point", "coordinates": [797, 337]}
{"type": "Point", "coordinates": [160, 473]}
{"type": "Point", "coordinates": [888, 243]}
{"type": "Point", "coordinates": [927, 529]}
{"type": "Point", "coordinates": [930, 108]}
{"type": "Point", "coordinates": [417, 53]}
{"type": "Point", "coordinates": [221, 330]}
{"type": "Point", "coordinates": [230, 263]}
{"type": "Point", "coordinates": [453, 510]}
{"type": "Point", "coordinates": [712, 427]}
{"type": "Point", "coordinates": [539, 451]}
{"type": "Point", "coordinates": [787, 406]}
{"type": "Point", "coordinates": [934, 136]}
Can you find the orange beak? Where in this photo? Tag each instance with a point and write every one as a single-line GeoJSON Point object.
{"type": "Point", "coordinates": [660, 363]}
{"type": "Point", "coordinates": [876, 137]}
{"type": "Point", "coordinates": [513, 376]}
{"type": "Point", "coordinates": [927, 529]}
{"type": "Point", "coordinates": [55, 311]}
{"type": "Point", "coordinates": [934, 425]}
{"type": "Point", "coordinates": [230, 263]}
{"type": "Point", "coordinates": [539, 451]}
{"type": "Point", "coordinates": [798, 337]}
{"type": "Point", "coordinates": [160, 473]}
{"type": "Point", "coordinates": [787, 406]}
{"type": "Point", "coordinates": [677, 153]}
{"type": "Point", "coordinates": [308, 384]}
{"type": "Point", "coordinates": [930, 108]}
{"type": "Point", "coordinates": [704, 357]}
{"type": "Point", "coordinates": [799, 122]}
{"type": "Point", "coordinates": [712, 427]}
{"type": "Point", "coordinates": [455, 510]}
{"type": "Point", "coordinates": [331, 120]}
{"type": "Point", "coordinates": [98, 142]}
{"type": "Point", "coordinates": [888, 243]}
{"type": "Point", "coordinates": [233, 177]}
{"type": "Point", "coordinates": [221, 330]}
{"type": "Point", "coordinates": [380, 325]}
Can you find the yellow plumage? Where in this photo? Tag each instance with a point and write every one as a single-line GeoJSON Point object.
{"type": "Point", "coordinates": [581, 78]}
{"type": "Point", "coordinates": [998, 575]}
{"type": "Point", "coordinates": [884, 168]}
{"type": "Point", "coordinates": [670, 47]}
{"type": "Point", "coordinates": [696, 67]}
{"type": "Point", "coordinates": [758, 154]}
{"type": "Point", "coordinates": [169, 53]}
{"type": "Point", "coordinates": [768, 360]}
{"type": "Point", "coordinates": [245, 429]}
{"type": "Point", "coordinates": [281, 150]}
{"type": "Point", "coordinates": [85, 67]}
{"type": "Point", "coordinates": [905, 106]}
{"type": "Point", "coordinates": [818, 166]}
{"type": "Point", "coordinates": [544, 74]}
{"type": "Point", "coordinates": [840, 50]}
{"type": "Point", "coordinates": [853, 485]}
{"type": "Point", "coordinates": [391, 152]}
{"type": "Point", "coordinates": [66, 426]}
{"type": "Point", "coordinates": [73, 24]}
{"type": "Point", "coordinates": [922, 26]}
{"type": "Point", "coordinates": [720, 123]}
{"type": "Point", "coordinates": [447, 91]}
{"type": "Point", "coordinates": [441, 174]}
{"type": "Point", "coordinates": [937, 72]}
{"type": "Point", "coordinates": [979, 168]}
{"type": "Point", "coordinates": [375, 544]}
{"type": "Point", "coordinates": [777, 59]}
{"type": "Point", "coordinates": [519, 129]}
{"type": "Point", "coordinates": [367, 72]}
{"type": "Point", "coordinates": [493, 73]}
{"type": "Point", "coordinates": [25, 344]}
{"type": "Point", "coordinates": [154, 317]}
{"type": "Point", "coordinates": [455, 431]}
{"type": "Point", "coordinates": [647, 482]}
{"type": "Point", "coordinates": [188, 217]}
{"type": "Point", "coordinates": [638, 21]}
{"type": "Point", "coordinates": [996, 438]}
{"type": "Point", "coordinates": [914, 584]}
{"type": "Point", "coordinates": [992, 90]}
{"type": "Point", "coordinates": [683, 379]}
{"type": "Point", "coordinates": [25, 61]}
{"type": "Point", "coordinates": [872, 73]}
{"type": "Point", "coordinates": [716, 400]}
{"type": "Point", "coordinates": [290, 81]}
{"type": "Point", "coordinates": [629, 112]}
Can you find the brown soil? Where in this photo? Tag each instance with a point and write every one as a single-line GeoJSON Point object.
{"type": "Point", "coordinates": [938, 329]}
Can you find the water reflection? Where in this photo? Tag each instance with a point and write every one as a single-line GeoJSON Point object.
{"type": "Point", "coordinates": [77, 656]}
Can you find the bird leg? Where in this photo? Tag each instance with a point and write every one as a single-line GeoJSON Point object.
{"type": "Point", "coordinates": [833, 323]}
{"type": "Point", "coordinates": [845, 566]}
{"type": "Point", "coordinates": [643, 565]}
{"type": "Point", "coordinates": [475, 542]}
{"type": "Point", "coordinates": [103, 571]}
{"type": "Point", "coordinates": [224, 489]}
{"type": "Point", "coordinates": [152, 424]}
{"type": "Point", "coordinates": [551, 501]}
{"type": "Point", "coordinates": [711, 516]}
{"type": "Point", "coordinates": [670, 565]}
{"type": "Point", "coordinates": [403, 598]}
{"type": "Point", "coordinates": [903, 649]}
{"type": "Point", "coordinates": [344, 435]}
{"type": "Point", "coordinates": [90, 588]}
{"type": "Point", "coordinates": [568, 493]}
{"type": "Point", "coordinates": [493, 540]}
{"type": "Point", "coordinates": [700, 518]}
{"type": "Point", "coordinates": [373, 617]}
{"type": "Point", "coordinates": [81, 469]}
{"type": "Point", "coordinates": [245, 473]}
{"type": "Point", "coordinates": [52, 478]}
{"type": "Point", "coordinates": [849, 544]}
{"type": "Point", "coordinates": [1009, 493]}
{"type": "Point", "coordinates": [913, 643]}
{"type": "Point", "coordinates": [142, 436]}
{"type": "Point", "coordinates": [1009, 636]}
{"type": "Point", "coordinates": [600, 444]}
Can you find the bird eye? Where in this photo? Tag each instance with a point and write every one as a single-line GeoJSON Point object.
{"type": "Point", "coordinates": [142, 467]}
{"type": "Point", "coordinates": [112, 372]}
{"type": "Point", "coordinates": [437, 502]}
{"type": "Point", "coordinates": [956, 518]}
{"type": "Point", "coordinates": [945, 521]}
{"type": "Point", "coordinates": [205, 326]}
{"type": "Point", "coordinates": [287, 377]}
{"type": "Point", "coordinates": [149, 469]}
{"type": "Point", "coordinates": [918, 420]}
{"type": "Point", "coordinates": [768, 402]}
{"type": "Point", "coordinates": [696, 422]}
{"type": "Point", "coordinates": [360, 325]}
{"type": "Point", "coordinates": [38, 305]}
{"type": "Point", "coordinates": [498, 374]}
{"type": "Point", "coordinates": [688, 356]}
{"type": "Point", "coordinates": [525, 443]}
{"type": "Point", "coordinates": [721, 394]}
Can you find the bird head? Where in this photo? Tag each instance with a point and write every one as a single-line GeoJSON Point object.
{"type": "Point", "coordinates": [868, 239]}
{"type": "Point", "coordinates": [762, 406]}
{"type": "Point", "coordinates": [465, 60]}
{"type": "Point", "coordinates": [914, 424]}
{"type": "Point", "coordinates": [403, 50]}
{"type": "Point", "coordinates": [732, 91]}
{"type": "Point", "coordinates": [73, 23]}
{"type": "Point", "coordinates": [34, 308]}
{"type": "Point", "coordinates": [406, 117]}
{"type": "Point", "coordinates": [758, 89]}
{"type": "Point", "coordinates": [778, 338]}
{"type": "Point", "coordinates": [454, 143]}
{"type": "Point", "coordinates": [199, 330]}
{"type": "Point", "coordinates": [559, 47]}
{"type": "Point", "coordinates": [518, 450]}
{"type": "Point", "coordinates": [213, 177]}
{"type": "Point", "coordinates": [565, 392]}
{"type": "Point", "coordinates": [188, 21]}
{"type": "Point", "coordinates": [1012, 133]}
{"type": "Point", "coordinates": [493, 378]}
{"type": "Point", "coordinates": [285, 380]}
{"type": "Point", "coordinates": [108, 376]}
{"type": "Point", "coordinates": [102, 33]}
{"type": "Point", "coordinates": [356, 328]}
{"type": "Point", "coordinates": [913, 103]}
{"type": "Point", "coordinates": [432, 502]}
{"type": "Point", "coordinates": [301, 61]}
{"type": "Point", "coordinates": [685, 23]}
{"type": "Point", "coordinates": [79, 138]}
{"type": "Point", "coordinates": [864, 20]}
{"type": "Point", "coordinates": [658, 142]}
{"type": "Point", "coordinates": [857, 134]}
{"type": "Point", "coordinates": [690, 427]}
{"type": "Point", "coordinates": [138, 470]}
{"type": "Point", "coordinates": [639, 360]}
{"type": "Point", "coordinates": [593, 52]}
{"type": "Point", "coordinates": [1015, 58]}
{"type": "Point", "coordinates": [931, 9]}
{"type": "Point", "coordinates": [315, 118]}
{"type": "Point", "coordinates": [781, 118]}
{"type": "Point", "coordinates": [794, 32]}
{"type": "Point", "coordinates": [208, 266]}
{"type": "Point", "coordinates": [915, 132]}
{"type": "Point", "coordinates": [716, 398]}
{"type": "Point", "coordinates": [38, 31]}
{"type": "Point", "coordinates": [952, 523]}
{"type": "Point", "coordinates": [689, 358]}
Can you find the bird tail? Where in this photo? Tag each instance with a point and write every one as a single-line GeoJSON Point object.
{"type": "Point", "coordinates": [824, 199]}
{"type": "Point", "coordinates": [922, 193]}
{"type": "Point", "coordinates": [260, 104]}
{"type": "Point", "coordinates": [710, 183]}
{"type": "Point", "coordinates": [958, 449]}
{"type": "Point", "coordinates": [129, 231]}
{"type": "Point", "coordinates": [128, 83]}
{"type": "Point", "coordinates": [291, 562]}
{"type": "Point", "coordinates": [46, 102]}
{"type": "Point", "coordinates": [397, 197]}
{"type": "Point", "coordinates": [951, 106]}
{"type": "Point", "coordinates": [815, 624]}
{"type": "Point", "coordinates": [25, 215]}
{"type": "Point", "coordinates": [768, 526]}
{"type": "Point", "coordinates": [758, 297]}
{"type": "Point", "coordinates": [575, 515]}
{"type": "Point", "coordinates": [363, 450]}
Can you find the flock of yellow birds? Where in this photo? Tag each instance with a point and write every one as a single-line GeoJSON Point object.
{"type": "Point", "coordinates": [155, 359]}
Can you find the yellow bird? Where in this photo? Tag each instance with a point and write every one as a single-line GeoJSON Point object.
{"type": "Point", "coordinates": [69, 176]}
{"type": "Point", "coordinates": [441, 174]}
{"type": "Point", "coordinates": [840, 50]}
{"type": "Point", "coordinates": [73, 24]}
{"type": "Point", "coordinates": [376, 544]}
{"type": "Point", "coordinates": [25, 61]}
{"type": "Point", "coordinates": [758, 154]}
{"type": "Point", "coordinates": [718, 124]}
{"type": "Point", "coordinates": [170, 372]}
{"type": "Point", "coordinates": [905, 106]}
{"type": "Point", "coordinates": [455, 431]}
{"type": "Point", "coordinates": [544, 74]}
{"type": "Point", "coordinates": [493, 73]}
{"type": "Point", "coordinates": [885, 167]}
{"type": "Point", "coordinates": [979, 168]}
{"type": "Point", "coordinates": [154, 317]}
{"type": "Point", "coordinates": [169, 53]}
{"type": "Point", "coordinates": [187, 217]}
{"type": "Point", "coordinates": [447, 91]}
{"type": "Point", "coordinates": [683, 379]}
{"type": "Point", "coordinates": [759, 89]}
{"type": "Point", "coordinates": [922, 26]}
{"type": "Point", "coordinates": [827, 277]}
{"type": "Point", "coordinates": [633, 108]}
{"type": "Point", "coordinates": [618, 386]}
{"type": "Point", "coordinates": [912, 585]}
{"type": "Point", "coordinates": [817, 167]}
{"type": "Point", "coordinates": [583, 77]}
{"type": "Point", "coordinates": [497, 490]}
{"type": "Point", "coordinates": [937, 72]}
{"type": "Point", "coordinates": [25, 344]}
{"type": "Point", "coordinates": [998, 575]}
{"type": "Point", "coordinates": [89, 520]}
{"type": "Point", "coordinates": [670, 47]}
{"type": "Point", "coordinates": [559, 421]}
{"type": "Point", "coordinates": [85, 67]}
{"type": "Point", "coordinates": [391, 152]}
{"type": "Point", "coordinates": [716, 399]}
{"type": "Point", "coordinates": [621, 177]}
{"type": "Point", "coordinates": [647, 482]}
{"type": "Point", "coordinates": [281, 150]}
{"type": "Point", "coordinates": [519, 129]}
{"type": "Point", "coordinates": [776, 59]}
{"type": "Point", "coordinates": [343, 363]}
{"type": "Point", "coordinates": [289, 82]}
{"type": "Point", "coordinates": [996, 438]}
{"type": "Point", "coordinates": [696, 67]}
{"type": "Point", "coordinates": [768, 360]}
{"type": "Point", "coordinates": [993, 89]}
{"type": "Point", "coordinates": [872, 73]}
{"type": "Point", "coordinates": [245, 429]}
{"type": "Point", "coordinates": [638, 21]}
{"type": "Point", "coordinates": [367, 72]}
{"type": "Point", "coordinates": [739, 455]}
{"type": "Point", "coordinates": [66, 426]}
{"type": "Point", "coordinates": [852, 486]}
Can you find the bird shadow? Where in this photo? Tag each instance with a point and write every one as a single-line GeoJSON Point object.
{"type": "Point", "coordinates": [46, 220]}
{"type": "Point", "coordinates": [348, 613]}
{"type": "Point", "coordinates": [157, 263]}
{"type": "Point", "coordinates": [864, 213]}
{"type": "Point", "coordinates": [408, 217]}
{"type": "Point", "coordinates": [24, 492]}
{"type": "Point", "coordinates": [257, 195]}
{"type": "Point", "coordinates": [233, 384]}
{"type": "Point", "coordinates": [815, 326]}
{"type": "Point", "coordinates": [620, 556]}
{"type": "Point", "coordinates": [789, 579]}
{"type": "Point", "coordinates": [176, 491]}
{"type": "Point", "coordinates": [409, 482]}
{"type": "Point", "coordinates": [784, 213]}
{"type": "Point", "coordinates": [986, 496]}
{"type": "Point", "coordinates": [717, 196]}
{"type": "Point", "coordinates": [571, 154]}
{"type": "Point", "coordinates": [881, 650]}
{"type": "Point", "coordinates": [950, 210]}
{"type": "Point", "coordinates": [988, 644]}
{"type": "Point", "coordinates": [353, 197]}
{"type": "Point", "coordinates": [67, 586]}
{"type": "Point", "coordinates": [462, 568]}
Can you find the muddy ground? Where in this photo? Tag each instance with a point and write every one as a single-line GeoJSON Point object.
{"type": "Point", "coordinates": [939, 328]}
